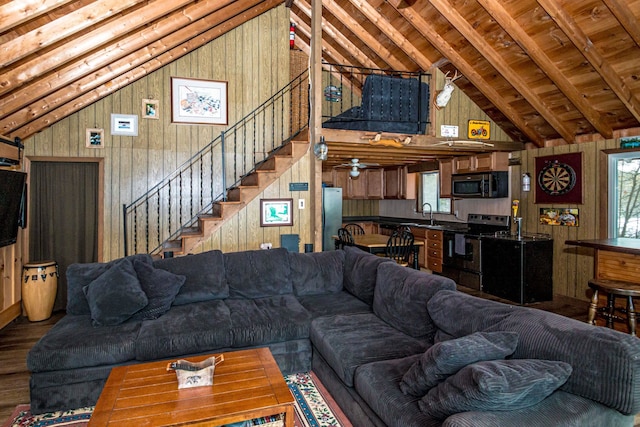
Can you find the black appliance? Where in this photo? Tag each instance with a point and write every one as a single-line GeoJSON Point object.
{"type": "Point", "coordinates": [480, 185]}
{"type": "Point", "coordinates": [462, 254]}
{"type": "Point", "coordinates": [12, 205]}
{"type": "Point", "coordinates": [518, 269]}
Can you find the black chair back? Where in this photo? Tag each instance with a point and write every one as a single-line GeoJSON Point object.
{"type": "Point", "coordinates": [399, 247]}
{"type": "Point", "coordinates": [354, 229]}
{"type": "Point", "coordinates": [345, 238]}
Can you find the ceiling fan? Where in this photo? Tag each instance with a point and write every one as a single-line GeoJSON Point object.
{"type": "Point", "coordinates": [355, 166]}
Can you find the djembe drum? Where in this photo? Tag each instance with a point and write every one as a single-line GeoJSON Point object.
{"type": "Point", "coordinates": [39, 287]}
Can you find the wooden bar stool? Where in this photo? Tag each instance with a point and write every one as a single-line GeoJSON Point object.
{"type": "Point", "coordinates": [614, 289]}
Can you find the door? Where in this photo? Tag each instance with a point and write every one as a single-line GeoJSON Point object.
{"type": "Point", "coordinates": [64, 215]}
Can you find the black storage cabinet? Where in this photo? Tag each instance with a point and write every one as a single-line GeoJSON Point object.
{"type": "Point", "coordinates": [518, 270]}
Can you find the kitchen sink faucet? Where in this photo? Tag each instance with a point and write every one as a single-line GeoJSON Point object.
{"type": "Point", "coordinates": [430, 212]}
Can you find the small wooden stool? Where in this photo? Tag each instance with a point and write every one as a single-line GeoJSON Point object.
{"type": "Point", "coordinates": [614, 288]}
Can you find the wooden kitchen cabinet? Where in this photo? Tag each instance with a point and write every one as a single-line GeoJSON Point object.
{"type": "Point", "coordinates": [446, 170]}
{"type": "Point", "coordinates": [420, 234]}
{"type": "Point", "coordinates": [369, 185]}
{"type": "Point", "coordinates": [399, 184]}
{"type": "Point", "coordinates": [482, 162]}
{"type": "Point", "coordinates": [434, 250]}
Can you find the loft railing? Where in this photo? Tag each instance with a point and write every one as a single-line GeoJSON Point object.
{"type": "Point", "coordinates": [175, 203]}
{"type": "Point", "coordinates": [376, 100]}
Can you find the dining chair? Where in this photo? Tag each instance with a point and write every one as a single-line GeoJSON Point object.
{"type": "Point", "coordinates": [399, 247]}
{"type": "Point", "coordinates": [403, 229]}
{"type": "Point", "coordinates": [354, 229]}
{"type": "Point", "coordinates": [345, 238]}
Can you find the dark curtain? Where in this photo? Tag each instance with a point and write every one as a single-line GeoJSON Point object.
{"type": "Point", "coordinates": [63, 208]}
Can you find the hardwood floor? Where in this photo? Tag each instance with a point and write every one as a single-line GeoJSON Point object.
{"type": "Point", "coordinates": [19, 336]}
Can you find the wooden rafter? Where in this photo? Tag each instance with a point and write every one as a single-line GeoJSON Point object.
{"type": "Point", "coordinates": [65, 26]}
{"type": "Point", "coordinates": [497, 61]}
{"type": "Point", "coordinates": [624, 15]}
{"type": "Point", "coordinates": [468, 70]}
{"type": "Point", "coordinates": [339, 38]}
{"type": "Point", "coordinates": [50, 60]}
{"type": "Point", "coordinates": [216, 25]}
{"type": "Point", "coordinates": [389, 30]}
{"type": "Point", "coordinates": [370, 41]}
{"type": "Point", "coordinates": [14, 13]}
{"type": "Point", "coordinates": [538, 55]}
{"type": "Point", "coordinates": [592, 54]}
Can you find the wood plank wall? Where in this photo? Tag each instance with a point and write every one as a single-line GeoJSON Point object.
{"type": "Point", "coordinates": [572, 266]}
{"type": "Point", "coordinates": [254, 60]}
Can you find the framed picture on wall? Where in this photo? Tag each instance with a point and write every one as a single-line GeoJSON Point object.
{"type": "Point", "coordinates": [276, 212]}
{"type": "Point", "coordinates": [95, 138]}
{"type": "Point", "coordinates": [124, 124]}
{"type": "Point", "coordinates": [150, 109]}
{"type": "Point", "coordinates": [198, 101]}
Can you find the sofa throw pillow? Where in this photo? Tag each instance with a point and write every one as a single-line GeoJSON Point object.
{"type": "Point", "coordinates": [316, 273]}
{"type": "Point", "coordinates": [495, 385]}
{"type": "Point", "coordinates": [115, 295]}
{"type": "Point", "coordinates": [401, 295]}
{"type": "Point", "coordinates": [204, 272]}
{"type": "Point", "coordinates": [161, 288]}
{"type": "Point", "coordinates": [80, 275]}
{"type": "Point", "coordinates": [446, 358]}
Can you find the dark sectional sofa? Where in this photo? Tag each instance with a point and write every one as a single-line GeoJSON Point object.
{"type": "Point", "coordinates": [394, 346]}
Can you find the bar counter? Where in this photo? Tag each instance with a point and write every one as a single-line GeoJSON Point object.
{"type": "Point", "coordinates": [615, 259]}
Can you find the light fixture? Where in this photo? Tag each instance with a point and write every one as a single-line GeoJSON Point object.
{"type": "Point", "coordinates": [321, 150]}
{"type": "Point", "coordinates": [526, 182]}
{"type": "Point", "coordinates": [354, 172]}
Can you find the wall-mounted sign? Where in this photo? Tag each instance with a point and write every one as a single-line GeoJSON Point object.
{"type": "Point", "coordinates": [298, 186]}
{"type": "Point", "coordinates": [479, 129]}
{"type": "Point", "coordinates": [449, 131]}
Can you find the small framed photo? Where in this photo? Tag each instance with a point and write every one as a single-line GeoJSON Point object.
{"type": "Point", "coordinates": [150, 109]}
{"type": "Point", "coordinates": [95, 138]}
{"type": "Point", "coordinates": [124, 124]}
{"type": "Point", "coordinates": [276, 212]}
{"type": "Point", "coordinates": [198, 101]}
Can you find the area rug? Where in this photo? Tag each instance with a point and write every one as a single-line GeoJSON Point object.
{"type": "Point", "coordinates": [314, 407]}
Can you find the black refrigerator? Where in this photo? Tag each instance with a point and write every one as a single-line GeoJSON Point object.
{"type": "Point", "coordinates": [519, 270]}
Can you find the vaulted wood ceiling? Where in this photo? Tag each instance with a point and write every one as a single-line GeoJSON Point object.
{"type": "Point", "coordinates": [543, 70]}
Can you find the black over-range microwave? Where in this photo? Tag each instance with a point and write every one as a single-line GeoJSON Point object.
{"type": "Point", "coordinates": [481, 184]}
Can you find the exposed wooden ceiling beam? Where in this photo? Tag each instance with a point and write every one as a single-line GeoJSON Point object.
{"type": "Point", "coordinates": [14, 13]}
{"type": "Point", "coordinates": [146, 63]}
{"type": "Point", "coordinates": [370, 41]}
{"type": "Point", "coordinates": [626, 18]}
{"type": "Point", "coordinates": [76, 79]}
{"type": "Point", "coordinates": [390, 31]}
{"type": "Point", "coordinates": [339, 38]}
{"type": "Point", "coordinates": [468, 70]}
{"type": "Point", "coordinates": [538, 55]}
{"type": "Point", "coordinates": [569, 26]}
{"type": "Point", "coordinates": [497, 61]}
{"type": "Point", "coordinates": [65, 26]}
{"type": "Point", "coordinates": [327, 49]}
{"type": "Point", "coordinates": [49, 61]}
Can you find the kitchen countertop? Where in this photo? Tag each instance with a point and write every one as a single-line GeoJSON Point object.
{"type": "Point", "coordinates": [413, 222]}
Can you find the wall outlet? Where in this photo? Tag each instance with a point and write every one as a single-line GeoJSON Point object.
{"type": "Point", "coordinates": [300, 203]}
{"type": "Point", "coordinates": [265, 245]}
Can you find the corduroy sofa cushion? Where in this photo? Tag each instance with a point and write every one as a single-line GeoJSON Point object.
{"type": "Point", "coordinates": [549, 336]}
{"type": "Point", "coordinates": [316, 273]}
{"type": "Point", "coordinates": [258, 273]}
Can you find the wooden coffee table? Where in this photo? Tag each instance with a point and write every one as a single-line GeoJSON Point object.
{"type": "Point", "coordinates": [247, 385]}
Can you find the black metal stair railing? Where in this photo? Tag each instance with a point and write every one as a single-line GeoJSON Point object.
{"type": "Point", "coordinates": [175, 203]}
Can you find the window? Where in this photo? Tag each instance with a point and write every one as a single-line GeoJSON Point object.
{"type": "Point", "coordinates": [429, 192]}
{"type": "Point", "coordinates": [624, 195]}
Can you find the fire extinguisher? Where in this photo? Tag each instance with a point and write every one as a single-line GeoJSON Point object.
{"type": "Point", "coordinates": [292, 35]}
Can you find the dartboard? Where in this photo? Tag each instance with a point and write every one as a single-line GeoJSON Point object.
{"type": "Point", "coordinates": [556, 178]}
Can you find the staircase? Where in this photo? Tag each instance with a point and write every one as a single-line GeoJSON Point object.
{"type": "Point", "coordinates": [190, 204]}
{"type": "Point", "coordinates": [239, 196]}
